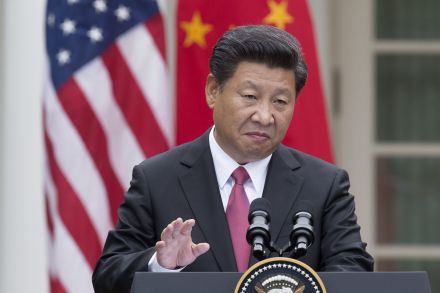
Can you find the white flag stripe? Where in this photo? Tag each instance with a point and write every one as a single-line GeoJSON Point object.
{"type": "Point", "coordinates": [151, 75]}
{"type": "Point", "coordinates": [51, 211]}
{"type": "Point", "coordinates": [64, 251]}
{"type": "Point", "coordinates": [124, 151]}
{"type": "Point", "coordinates": [76, 164]}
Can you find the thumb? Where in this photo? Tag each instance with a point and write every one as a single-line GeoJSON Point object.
{"type": "Point", "coordinates": [199, 249]}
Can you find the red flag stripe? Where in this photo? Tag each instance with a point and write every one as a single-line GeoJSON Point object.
{"type": "Point", "coordinates": [78, 224]}
{"type": "Point", "coordinates": [133, 104]}
{"type": "Point", "coordinates": [155, 26]}
{"type": "Point", "coordinates": [56, 286]}
{"type": "Point", "coordinates": [83, 118]}
{"type": "Point", "coordinates": [49, 218]}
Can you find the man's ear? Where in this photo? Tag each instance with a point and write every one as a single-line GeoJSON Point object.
{"type": "Point", "coordinates": [212, 89]}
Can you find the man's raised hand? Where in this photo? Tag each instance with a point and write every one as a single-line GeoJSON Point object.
{"type": "Point", "coordinates": [176, 248]}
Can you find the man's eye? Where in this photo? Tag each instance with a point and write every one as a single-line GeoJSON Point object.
{"type": "Point", "coordinates": [280, 102]}
{"type": "Point", "coordinates": [251, 97]}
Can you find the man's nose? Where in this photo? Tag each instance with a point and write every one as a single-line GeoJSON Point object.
{"type": "Point", "coordinates": [263, 114]}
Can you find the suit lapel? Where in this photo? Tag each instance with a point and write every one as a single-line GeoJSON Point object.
{"type": "Point", "coordinates": [201, 190]}
{"type": "Point", "coordinates": [282, 188]}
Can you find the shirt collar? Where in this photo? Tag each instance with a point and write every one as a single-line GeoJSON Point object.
{"type": "Point", "coordinates": [224, 166]}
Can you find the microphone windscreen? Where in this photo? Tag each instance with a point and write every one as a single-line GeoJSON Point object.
{"type": "Point", "coordinates": [260, 204]}
{"type": "Point", "coordinates": [304, 206]}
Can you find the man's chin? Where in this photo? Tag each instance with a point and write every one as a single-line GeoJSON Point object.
{"type": "Point", "coordinates": [253, 156]}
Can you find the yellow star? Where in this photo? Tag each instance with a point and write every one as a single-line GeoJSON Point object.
{"type": "Point", "coordinates": [278, 14]}
{"type": "Point", "coordinates": [195, 31]}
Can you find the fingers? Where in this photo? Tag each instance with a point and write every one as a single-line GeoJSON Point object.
{"type": "Point", "coordinates": [199, 249]}
{"type": "Point", "coordinates": [177, 228]}
{"type": "Point", "coordinates": [176, 246]}
{"type": "Point", "coordinates": [167, 233]}
{"type": "Point", "coordinates": [160, 245]}
{"type": "Point", "coordinates": [187, 227]}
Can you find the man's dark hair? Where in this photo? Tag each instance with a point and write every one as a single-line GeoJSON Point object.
{"type": "Point", "coordinates": [257, 43]}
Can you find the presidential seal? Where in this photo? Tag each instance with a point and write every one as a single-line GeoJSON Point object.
{"type": "Point", "coordinates": [280, 275]}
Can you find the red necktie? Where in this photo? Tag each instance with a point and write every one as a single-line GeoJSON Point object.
{"type": "Point", "coordinates": [237, 215]}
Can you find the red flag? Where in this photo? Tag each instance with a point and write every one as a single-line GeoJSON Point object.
{"type": "Point", "coordinates": [200, 24]}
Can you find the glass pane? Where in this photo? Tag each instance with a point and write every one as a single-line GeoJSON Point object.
{"type": "Point", "coordinates": [432, 267]}
{"type": "Point", "coordinates": [407, 19]}
{"type": "Point", "coordinates": [408, 98]}
{"type": "Point", "coordinates": [408, 200]}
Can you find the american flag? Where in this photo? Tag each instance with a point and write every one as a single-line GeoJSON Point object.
{"type": "Point", "coordinates": [106, 108]}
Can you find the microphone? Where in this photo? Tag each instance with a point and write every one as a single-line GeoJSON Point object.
{"type": "Point", "coordinates": [302, 236]}
{"type": "Point", "coordinates": [258, 235]}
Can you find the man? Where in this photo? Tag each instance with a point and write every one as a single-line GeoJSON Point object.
{"type": "Point", "coordinates": [186, 209]}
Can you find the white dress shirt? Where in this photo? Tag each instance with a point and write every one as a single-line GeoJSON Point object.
{"type": "Point", "coordinates": [224, 165]}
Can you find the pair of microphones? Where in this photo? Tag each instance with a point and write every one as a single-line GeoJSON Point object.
{"type": "Point", "coordinates": [259, 237]}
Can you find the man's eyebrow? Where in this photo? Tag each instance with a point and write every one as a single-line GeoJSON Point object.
{"type": "Point", "coordinates": [284, 90]}
{"type": "Point", "coordinates": [279, 91]}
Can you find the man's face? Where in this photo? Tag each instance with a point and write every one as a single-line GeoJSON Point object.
{"type": "Point", "coordinates": [253, 110]}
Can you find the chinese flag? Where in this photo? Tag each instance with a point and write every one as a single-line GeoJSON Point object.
{"type": "Point", "coordinates": [200, 23]}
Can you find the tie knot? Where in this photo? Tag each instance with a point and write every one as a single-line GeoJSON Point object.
{"type": "Point", "coordinates": [240, 175]}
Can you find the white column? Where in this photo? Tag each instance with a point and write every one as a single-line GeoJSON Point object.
{"type": "Point", "coordinates": [355, 124]}
{"type": "Point", "coordinates": [22, 220]}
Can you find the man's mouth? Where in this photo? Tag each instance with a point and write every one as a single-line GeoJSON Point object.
{"type": "Point", "coordinates": [258, 135]}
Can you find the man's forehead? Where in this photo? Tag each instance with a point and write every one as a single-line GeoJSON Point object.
{"type": "Point", "coordinates": [254, 67]}
{"type": "Point", "coordinates": [253, 74]}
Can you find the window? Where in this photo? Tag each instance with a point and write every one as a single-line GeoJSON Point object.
{"type": "Point", "coordinates": [407, 136]}
{"type": "Point", "coordinates": [388, 56]}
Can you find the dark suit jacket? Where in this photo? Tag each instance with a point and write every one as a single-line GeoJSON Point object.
{"type": "Point", "coordinates": [182, 183]}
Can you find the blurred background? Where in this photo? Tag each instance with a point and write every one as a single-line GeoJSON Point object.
{"type": "Point", "coordinates": [380, 70]}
